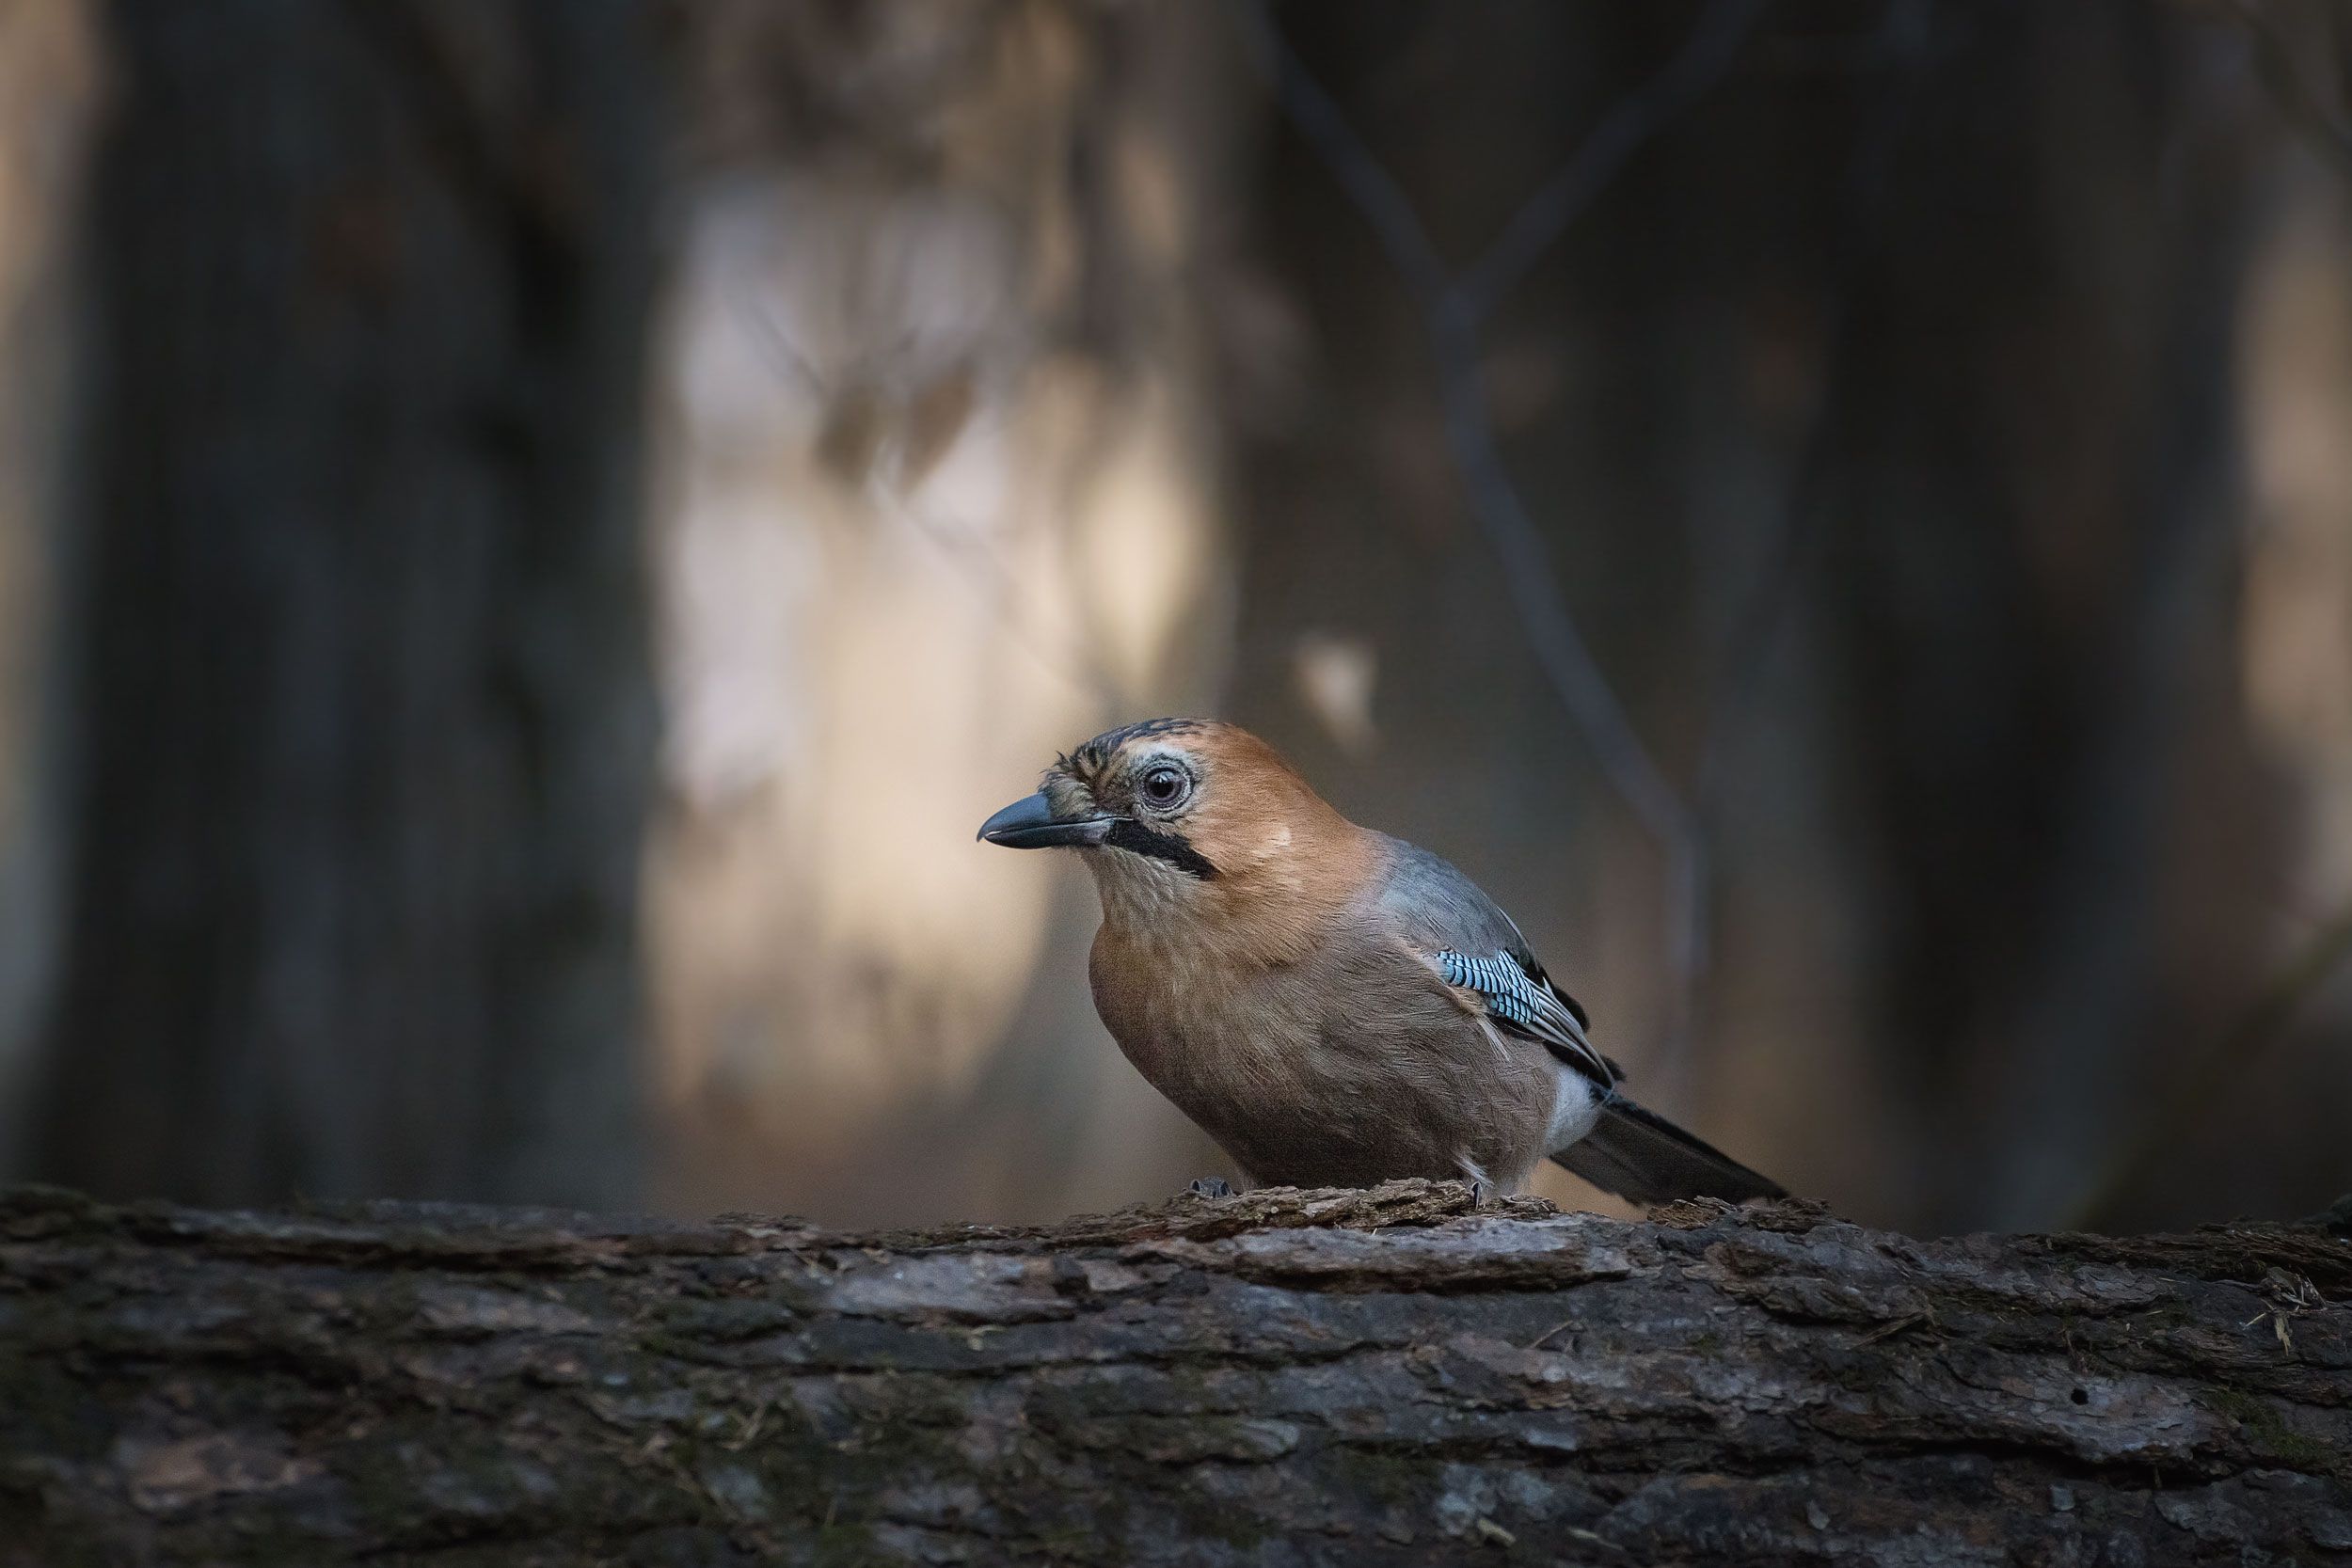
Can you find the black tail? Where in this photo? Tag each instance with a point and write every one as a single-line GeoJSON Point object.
{"type": "Point", "coordinates": [1644, 1158]}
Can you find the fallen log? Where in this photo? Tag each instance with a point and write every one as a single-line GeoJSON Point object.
{"type": "Point", "coordinates": [1379, 1377]}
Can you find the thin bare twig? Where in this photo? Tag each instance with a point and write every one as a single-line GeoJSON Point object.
{"type": "Point", "coordinates": [1902, 46]}
{"type": "Point", "coordinates": [2297, 102]}
{"type": "Point", "coordinates": [1457, 306]}
{"type": "Point", "coordinates": [1015, 609]}
{"type": "Point", "coordinates": [1705, 59]}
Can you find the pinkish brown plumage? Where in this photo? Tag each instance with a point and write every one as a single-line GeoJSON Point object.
{"type": "Point", "coordinates": [1334, 1007]}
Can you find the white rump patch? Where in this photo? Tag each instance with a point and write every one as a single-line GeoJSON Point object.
{"type": "Point", "coordinates": [1575, 1108]}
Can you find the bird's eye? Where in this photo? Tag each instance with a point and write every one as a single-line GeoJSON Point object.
{"type": "Point", "coordinates": [1164, 786]}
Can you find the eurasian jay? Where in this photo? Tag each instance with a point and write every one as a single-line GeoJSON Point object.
{"type": "Point", "coordinates": [1334, 1007]}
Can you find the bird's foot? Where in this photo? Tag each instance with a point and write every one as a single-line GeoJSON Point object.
{"type": "Point", "coordinates": [1211, 1186]}
{"type": "Point", "coordinates": [1481, 1193]}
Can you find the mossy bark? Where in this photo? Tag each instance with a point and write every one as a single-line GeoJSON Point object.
{"type": "Point", "coordinates": [1388, 1376]}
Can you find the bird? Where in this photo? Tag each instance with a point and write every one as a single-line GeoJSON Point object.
{"type": "Point", "coordinates": [1335, 1008]}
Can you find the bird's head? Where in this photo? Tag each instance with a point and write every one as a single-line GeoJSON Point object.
{"type": "Point", "coordinates": [1177, 814]}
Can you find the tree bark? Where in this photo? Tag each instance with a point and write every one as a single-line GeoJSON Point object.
{"type": "Point", "coordinates": [353, 635]}
{"type": "Point", "coordinates": [1373, 1377]}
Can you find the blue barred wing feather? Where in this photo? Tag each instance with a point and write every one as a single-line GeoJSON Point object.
{"type": "Point", "coordinates": [1526, 1004]}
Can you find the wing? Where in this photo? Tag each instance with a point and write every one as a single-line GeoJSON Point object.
{"type": "Point", "coordinates": [1464, 933]}
{"type": "Point", "coordinates": [1527, 1005]}
{"type": "Point", "coordinates": [1522, 955]}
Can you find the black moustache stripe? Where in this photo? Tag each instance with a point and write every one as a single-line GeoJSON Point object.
{"type": "Point", "coordinates": [1136, 839]}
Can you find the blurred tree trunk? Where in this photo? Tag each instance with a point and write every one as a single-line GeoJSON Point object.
{"type": "Point", "coordinates": [2035, 493]}
{"type": "Point", "coordinates": [1879, 417]}
{"type": "Point", "coordinates": [353, 649]}
{"type": "Point", "coordinates": [47, 97]}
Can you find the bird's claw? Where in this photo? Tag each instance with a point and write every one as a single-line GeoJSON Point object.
{"type": "Point", "coordinates": [1211, 1186]}
{"type": "Point", "coordinates": [1480, 1194]}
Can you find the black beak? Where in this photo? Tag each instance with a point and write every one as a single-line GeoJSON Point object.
{"type": "Point", "coordinates": [1031, 824]}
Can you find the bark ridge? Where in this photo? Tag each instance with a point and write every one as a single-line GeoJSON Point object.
{"type": "Point", "coordinates": [1287, 1377]}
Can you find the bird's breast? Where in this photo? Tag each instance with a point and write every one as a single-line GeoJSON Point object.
{"type": "Point", "coordinates": [1344, 1068]}
{"type": "Point", "coordinates": [1233, 1044]}
{"type": "Point", "coordinates": [1182, 1012]}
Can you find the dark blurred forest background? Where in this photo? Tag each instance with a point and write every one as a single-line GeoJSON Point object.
{"type": "Point", "coordinates": [531, 533]}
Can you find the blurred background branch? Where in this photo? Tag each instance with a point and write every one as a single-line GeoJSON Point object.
{"type": "Point", "coordinates": [1457, 307]}
{"type": "Point", "coordinates": [2281, 62]}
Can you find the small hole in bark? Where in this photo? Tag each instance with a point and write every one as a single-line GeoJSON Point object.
{"type": "Point", "coordinates": [2082, 1396]}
